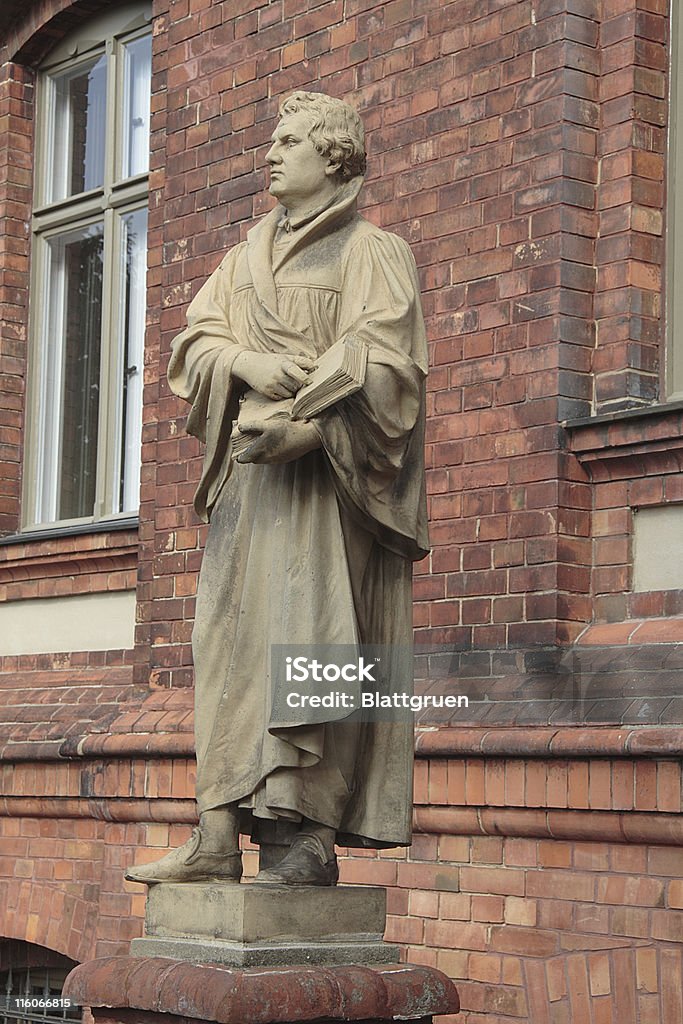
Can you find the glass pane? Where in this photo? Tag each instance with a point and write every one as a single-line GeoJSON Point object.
{"type": "Point", "coordinates": [71, 379]}
{"type": "Point", "coordinates": [79, 130]}
{"type": "Point", "coordinates": [137, 89]}
{"type": "Point", "coordinates": [134, 269]}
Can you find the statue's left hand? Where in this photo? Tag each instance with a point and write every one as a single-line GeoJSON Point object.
{"type": "Point", "coordinates": [279, 440]}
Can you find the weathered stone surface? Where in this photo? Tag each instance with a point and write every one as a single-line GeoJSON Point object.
{"type": "Point", "coordinates": [262, 996]}
{"type": "Point", "coordinates": [257, 914]}
{"type": "Point", "coordinates": [266, 954]}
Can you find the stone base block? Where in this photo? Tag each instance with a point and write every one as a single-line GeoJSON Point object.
{"type": "Point", "coordinates": [134, 990]}
{"type": "Point", "coordinates": [265, 913]}
{"type": "Point", "coordinates": [264, 925]}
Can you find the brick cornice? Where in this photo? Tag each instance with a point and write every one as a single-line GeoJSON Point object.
{"type": "Point", "coordinates": [569, 742]}
{"type": "Point", "coordinates": [35, 567]}
{"type": "Point", "coordinates": [641, 442]}
{"type": "Point", "coordinates": [541, 823]}
{"type": "Point", "coordinates": [596, 826]}
{"type": "Point", "coordinates": [565, 743]}
{"type": "Point", "coordinates": [63, 566]}
{"type": "Point", "coordinates": [101, 809]}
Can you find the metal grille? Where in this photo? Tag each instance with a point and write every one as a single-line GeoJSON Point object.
{"type": "Point", "coordinates": [39, 984]}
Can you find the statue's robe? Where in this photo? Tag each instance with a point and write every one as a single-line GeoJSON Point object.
{"type": "Point", "coordinates": [317, 550]}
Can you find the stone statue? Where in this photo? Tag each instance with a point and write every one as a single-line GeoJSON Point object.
{"type": "Point", "coordinates": [314, 528]}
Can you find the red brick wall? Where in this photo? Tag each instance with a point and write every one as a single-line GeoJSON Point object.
{"type": "Point", "coordinates": [482, 128]}
{"type": "Point", "coordinates": [519, 148]}
{"type": "Point", "coordinates": [16, 177]}
{"type": "Point", "coordinates": [523, 159]}
{"type": "Point", "coordinates": [535, 925]}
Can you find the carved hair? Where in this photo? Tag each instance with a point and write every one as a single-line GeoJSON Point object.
{"type": "Point", "coordinates": [336, 130]}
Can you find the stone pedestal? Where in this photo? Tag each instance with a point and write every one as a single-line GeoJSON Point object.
{"type": "Point", "coordinates": [221, 953]}
{"type": "Point", "coordinates": [137, 990]}
{"type": "Point", "coordinates": [259, 925]}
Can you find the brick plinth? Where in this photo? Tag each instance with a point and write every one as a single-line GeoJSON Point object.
{"type": "Point", "coordinates": [282, 995]}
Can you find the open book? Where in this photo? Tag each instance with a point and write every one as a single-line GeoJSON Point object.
{"type": "Point", "coordinates": [339, 373]}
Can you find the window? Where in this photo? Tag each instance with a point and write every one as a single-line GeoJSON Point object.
{"type": "Point", "coordinates": [674, 361]}
{"type": "Point", "coordinates": [88, 288]}
{"type": "Point", "coordinates": [33, 973]}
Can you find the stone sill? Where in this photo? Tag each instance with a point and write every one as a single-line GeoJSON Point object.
{"type": "Point", "coordinates": [636, 442]}
{"type": "Point", "coordinates": [641, 413]}
{"type": "Point", "coordinates": [76, 530]}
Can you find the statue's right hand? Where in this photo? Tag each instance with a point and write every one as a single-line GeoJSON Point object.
{"type": "Point", "coordinates": [274, 376]}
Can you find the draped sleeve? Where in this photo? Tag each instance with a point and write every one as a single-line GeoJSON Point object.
{"type": "Point", "coordinates": [200, 372]}
{"type": "Point", "coordinates": [375, 438]}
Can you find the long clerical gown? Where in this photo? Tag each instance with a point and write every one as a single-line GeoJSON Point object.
{"type": "Point", "coordinates": [317, 550]}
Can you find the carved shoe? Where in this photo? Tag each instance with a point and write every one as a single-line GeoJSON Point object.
{"type": "Point", "coordinates": [189, 863]}
{"type": "Point", "coordinates": [302, 865]}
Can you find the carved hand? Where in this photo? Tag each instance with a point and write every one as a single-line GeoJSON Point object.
{"type": "Point", "coordinates": [279, 440]}
{"type": "Point", "coordinates": [274, 376]}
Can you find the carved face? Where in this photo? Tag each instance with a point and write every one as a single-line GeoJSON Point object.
{"type": "Point", "coordinates": [298, 173]}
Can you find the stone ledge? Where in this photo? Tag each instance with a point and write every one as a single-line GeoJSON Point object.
{"type": "Point", "coordinates": [262, 995]}
{"type": "Point", "coordinates": [267, 954]}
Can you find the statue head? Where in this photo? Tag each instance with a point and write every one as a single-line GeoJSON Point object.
{"type": "Point", "coordinates": [336, 130]}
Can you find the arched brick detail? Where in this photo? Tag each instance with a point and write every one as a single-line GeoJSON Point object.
{"type": "Point", "coordinates": [45, 22]}
{"type": "Point", "coordinates": [50, 916]}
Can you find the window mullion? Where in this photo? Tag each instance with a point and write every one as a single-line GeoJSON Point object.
{"type": "Point", "coordinates": [109, 372]}
{"type": "Point", "coordinates": [45, 140]}
{"type": "Point", "coordinates": [34, 405]}
{"type": "Point", "coordinates": [38, 435]}
{"type": "Point", "coordinates": [113, 99]}
{"type": "Point", "coordinates": [107, 432]}
{"type": "Point", "coordinates": [135, 190]}
{"type": "Point", "coordinates": [53, 435]}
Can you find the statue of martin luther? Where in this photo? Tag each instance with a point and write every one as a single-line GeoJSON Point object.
{"type": "Point", "coordinates": [314, 528]}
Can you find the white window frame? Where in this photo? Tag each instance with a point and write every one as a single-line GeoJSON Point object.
{"type": "Point", "coordinates": [109, 204]}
